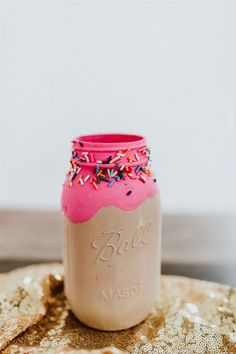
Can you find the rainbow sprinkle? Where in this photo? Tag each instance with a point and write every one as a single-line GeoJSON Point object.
{"type": "Point", "coordinates": [86, 178]}
{"type": "Point", "coordinates": [95, 185]}
{"type": "Point", "coordinates": [111, 183]}
{"type": "Point", "coordinates": [118, 172]}
{"type": "Point", "coordinates": [97, 169]}
{"type": "Point", "coordinates": [142, 178]}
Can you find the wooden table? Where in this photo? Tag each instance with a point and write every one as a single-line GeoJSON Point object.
{"type": "Point", "coordinates": [202, 246]}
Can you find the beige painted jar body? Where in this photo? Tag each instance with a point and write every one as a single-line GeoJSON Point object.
{"type": "Point", "coordinates": [112, 265]}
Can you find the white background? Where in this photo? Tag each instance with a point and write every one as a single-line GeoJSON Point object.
{"type": "Point", "coordinates": [160, 68]}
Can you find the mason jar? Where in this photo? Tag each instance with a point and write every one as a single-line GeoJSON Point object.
{"type": "Point", "coordinates": [112, 231]}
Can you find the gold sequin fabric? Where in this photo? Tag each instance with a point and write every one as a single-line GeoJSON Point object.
{"type": "Point", "coordinates": [192, 316]}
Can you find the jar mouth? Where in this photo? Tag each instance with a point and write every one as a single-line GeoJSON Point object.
{"type": "Point", "coordinates": [111, 140]}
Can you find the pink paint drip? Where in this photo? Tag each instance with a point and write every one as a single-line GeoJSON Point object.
{"type": "Point", "coordinates": [81, 202]}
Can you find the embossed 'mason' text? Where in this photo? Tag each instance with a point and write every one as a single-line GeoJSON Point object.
{"type": "Point", "coordinates": [116, 294]}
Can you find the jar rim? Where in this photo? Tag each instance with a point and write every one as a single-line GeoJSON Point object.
{"type": "Point", "coordinates": [111, 140]}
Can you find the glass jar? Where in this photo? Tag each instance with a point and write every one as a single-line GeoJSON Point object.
{"type": "Point", "coordinates": [112, 231]}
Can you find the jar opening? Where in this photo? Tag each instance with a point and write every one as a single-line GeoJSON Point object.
{"type": "Point", "coordinates": [110, 138]}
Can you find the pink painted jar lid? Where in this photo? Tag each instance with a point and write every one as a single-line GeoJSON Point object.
{"type": "Point", "coordinates": [107, 170]}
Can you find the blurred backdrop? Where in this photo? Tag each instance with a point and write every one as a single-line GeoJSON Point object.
{"type": "Point", "coordinates": [159, 68]}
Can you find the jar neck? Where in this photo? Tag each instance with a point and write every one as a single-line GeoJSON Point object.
{"type": "Point", "coordinates": [109, 150]}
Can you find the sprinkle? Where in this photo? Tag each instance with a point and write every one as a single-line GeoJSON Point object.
{"type": "Point", "coordinates": [109, 172]}
{"type": "Point", "coordinates": [111, 183]}
{"type": "Point", "coordinates": [86, 156]}
{"type": "Point", "coordinates": [74, 154]}
{"type": "Point", "coordinates": [142, 178]}
{"type": "Point", "coordinates": [114, 159]}
{"type": "Point", "coordinates": [80, 180]}
{"type": "Point", "coordinates": [86, 178]}
{"type": "Point", "coordinates": [104, 179]}
{"type": "Point", "coordinates": [99, 161]}
{"type": "Point", "coordinates": [129, 192]}
{"type": "Point", "coordinates": [92, 157]}
{"type": "Point", "coordinates": [131, 176]}
{"type": "Point", "coordinates": [130, 159]}
{"type": "Point", "coordinates": [120, 154]}
{"type": "Point", "coordinates": [70, 184]}
{"type": "Point", "coordinates": [136, 156]}
{"type": "Point", "coordinates": [107, 161]}
{"type": "Point", "coordinates": [78, 169]}
{"type": "Point", "coordinates": [73, 176]}
{"type": "Point", "coordinates": [114, 174]}
{"type": "Point", "coordinates": [98, 180]}
{"type": "Point", "coordinates": [148, 172]}
{"type": "Point", "coordinates": [120, 174]}
{"type": "Point", "coordinates": [95, 185]}
{"type": "Point", "coordinates": [81, 144]}
{"type": "Point", "coordinates": [122, 167]}
{"type": "Point", "coordinates": [117, 177]}
{"type": "Point", "coordinates": [97, 169]}
{"type": "Point", "coordinates": [137, 168]}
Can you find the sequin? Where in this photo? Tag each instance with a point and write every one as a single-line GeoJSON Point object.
{"type": "Point", "coordinates": [191, 317]}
